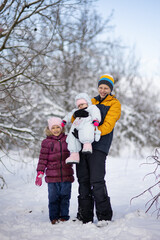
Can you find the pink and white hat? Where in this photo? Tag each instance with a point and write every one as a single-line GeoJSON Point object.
{"type": "Point", "coordinates": [54, 121]}
{"type": "Point", "coordinates": [81, 101]}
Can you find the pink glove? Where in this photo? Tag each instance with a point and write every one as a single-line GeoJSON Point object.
{"type": "Point", "coordinates": [38, 181]}
{"type": "Point", "coordinates": [63, 123]}
{"type": "Point", "coordinates": [96, 123]}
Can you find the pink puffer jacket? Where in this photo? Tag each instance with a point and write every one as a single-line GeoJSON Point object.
{"type": "Point", "coordinates": [52, 158]}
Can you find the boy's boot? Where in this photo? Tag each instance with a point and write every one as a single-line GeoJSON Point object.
{"type": "Point", "coordinates": [85, 209]}
{"type": "Point", "coordinates": [87, 148]}
{"type": "Point", "coordinates": [73, 158]}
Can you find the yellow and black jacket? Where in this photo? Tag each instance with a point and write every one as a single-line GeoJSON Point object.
{"type": "Point", "coordinates": [110, 108]}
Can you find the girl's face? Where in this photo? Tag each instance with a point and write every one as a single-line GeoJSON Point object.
{"type": "Point", "coordinates": [103, 90]}
{"type": "Point", "coordinates": [56, 130]}
{"type": "Point", "coordinates": [82, 105]}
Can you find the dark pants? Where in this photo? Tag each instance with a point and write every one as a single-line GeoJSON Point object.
{"type": "Point", "coordinates": [59, 195]}
{"type": "Point", "coordinates": [92, 187]}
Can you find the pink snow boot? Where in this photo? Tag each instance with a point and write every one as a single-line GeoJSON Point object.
{"type": "Point", "coordinates": [73, 159]}
{"type": "Point", "coordinates": [87, 148]}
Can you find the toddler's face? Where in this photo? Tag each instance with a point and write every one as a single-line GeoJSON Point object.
{"type": "Point", "coordinates": [82, 105]}
{"type": "Point", "coordinates": [56, 130]}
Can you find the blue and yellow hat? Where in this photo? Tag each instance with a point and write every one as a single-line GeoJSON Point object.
{"type": "Point", "coordinates": [108, 80]}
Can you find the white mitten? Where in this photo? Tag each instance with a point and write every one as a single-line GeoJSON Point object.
{"type": "Point", "coordinates": [97, 134]}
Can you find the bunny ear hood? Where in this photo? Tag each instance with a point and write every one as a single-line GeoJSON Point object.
{"type": "Point", "coordinates": [84, 96]}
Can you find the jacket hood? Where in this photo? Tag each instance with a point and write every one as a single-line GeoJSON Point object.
{"type": "Point", "coordinates": [83, 96]}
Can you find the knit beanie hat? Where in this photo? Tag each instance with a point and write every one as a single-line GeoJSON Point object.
{"type": "Point", "coordinates": [54, 121]}
{"type": "Point", "coordinates": [108, 80]}
{"type": "Point", "coordinates": [82, 98]}
{"type": "Point", "coordinates": [81, 101]}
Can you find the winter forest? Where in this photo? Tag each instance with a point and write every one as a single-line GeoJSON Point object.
{"type": "Point", "coordinates": [50, 51]}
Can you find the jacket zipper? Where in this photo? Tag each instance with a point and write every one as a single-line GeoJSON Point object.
{"type": "Point", "coordinates": [61, 159]}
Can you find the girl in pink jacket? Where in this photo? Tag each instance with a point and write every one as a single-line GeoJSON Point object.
{"type": "Point", "coordinates": [58, 175]}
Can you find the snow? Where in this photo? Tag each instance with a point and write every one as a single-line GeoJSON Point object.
{"type": "Point", "coordinates": [24, 206]}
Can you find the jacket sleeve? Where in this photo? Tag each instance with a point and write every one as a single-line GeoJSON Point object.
{"type": "Point", "coordinates": [94, 112]}
{"type": "Point", "coordinates": [69, 115]}
{"type": "Point", "coordinates": [111, 118]}
{"type": "Point", "coordinates": [43, 156]}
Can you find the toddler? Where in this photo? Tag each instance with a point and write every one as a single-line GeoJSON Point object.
{"type": "Point", "coordinates": [84, 127]}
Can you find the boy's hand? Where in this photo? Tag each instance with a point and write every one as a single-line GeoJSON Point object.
{"type": "Point", "coordinates": [38, 181]}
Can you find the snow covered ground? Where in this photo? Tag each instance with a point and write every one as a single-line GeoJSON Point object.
{"type": "Point", "coordinates": [24, 206]}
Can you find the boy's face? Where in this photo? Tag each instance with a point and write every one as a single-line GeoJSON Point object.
{"type": "Point", "coordinates": [56, 130]}
{"type": "Point", "coordinates": [82, 105]}
{"type": "Point", "coordinates": [103, 90]}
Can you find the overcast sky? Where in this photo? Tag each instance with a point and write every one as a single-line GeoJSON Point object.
{"type": "Point", "coordinates": [137, 22]}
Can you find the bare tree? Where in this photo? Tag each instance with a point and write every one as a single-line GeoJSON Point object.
{"type": "Point", "coordinates": [80, 53]}
{"type": "Point", "coordinates": [36, 38]}
{"type": "Point", "coordinates": [154, 201]}
{"type": "Point", "coordinates": [47, 48]}
{"type": "Point", "coordinates": [31, 66]}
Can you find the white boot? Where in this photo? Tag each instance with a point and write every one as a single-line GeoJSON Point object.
{"type": "Point", "coordinates": [73, 158]}
{"type": "Point", "coordinates": [102, 223]}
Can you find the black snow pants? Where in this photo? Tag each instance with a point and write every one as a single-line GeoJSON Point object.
{"type": "Point", "coordinates": [92, 188]}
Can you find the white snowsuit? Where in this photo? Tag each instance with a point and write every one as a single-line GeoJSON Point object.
{"type": "Point", "coordinates": [84, 125]}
